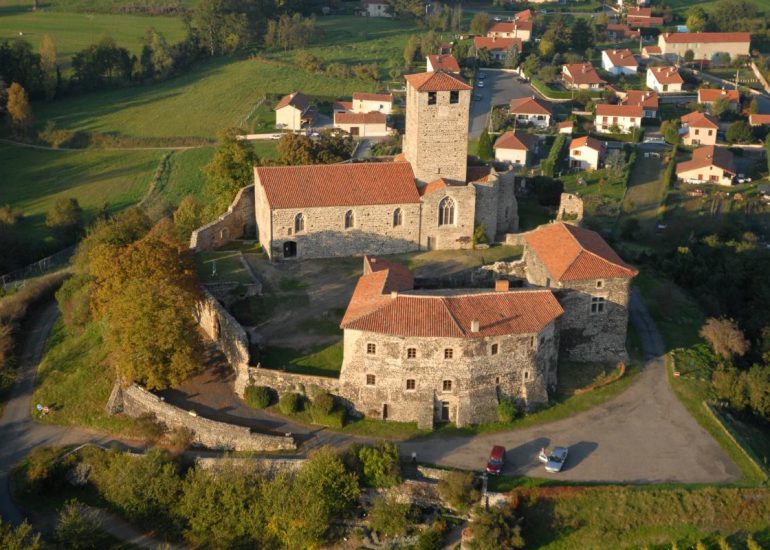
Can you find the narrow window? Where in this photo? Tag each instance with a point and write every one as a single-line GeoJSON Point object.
{"type": "Point", "coordinates": [599, 283]}
{"type": "Point", "coordinates": [370, 380]}
{"type": "Point", "coordinates": [446, 385]}
{"type": "Point", "coordinates": [494, 349]}
{"type": "Point", "coordinates": [548, 282]}
{"type": "Point", "coordinates": [371, 349]}
{"type": "Point", "coordinates": [526, 375]}
{"type": "Point", "coordinates": [410, 384]}
{"type": "Point", "coordinates": [532, 341]}
{"type": "Point", "coordinates": [597, 305]}
{"type": "Point", "coordinates": [397, 220]}
{"type": "Point", "coordinates": [431, 98]}
{"type": "Point", "coordinates": [454, 97]}
{"type": "Point", "coordinates": [446, 211]}
{"type": "Point", "coordinates": [349, 219]}
{"type": "Point", "coordinates": [448, 353]}
{"type": "Point", "coordinates": [299, 223]}
{"type": "Point", "coordinates": [411, 353]}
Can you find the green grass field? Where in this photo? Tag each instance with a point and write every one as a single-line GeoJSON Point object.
{"type": "Point", "coordinates": [73, 32]}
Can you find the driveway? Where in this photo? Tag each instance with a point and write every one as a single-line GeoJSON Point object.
{"type": "Point", "coordinates": [500, 87]}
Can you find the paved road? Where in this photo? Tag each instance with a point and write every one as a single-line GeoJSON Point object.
{"type": "Point", "coordinates": [644, 435]}
{"type": "Point", "coordinates": [499, 88]}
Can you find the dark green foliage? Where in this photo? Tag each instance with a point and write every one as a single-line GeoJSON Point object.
{"type": "Point", "coordinates": [554, 155]}
{"type": "Point", "coordinates": [497, 527]}
{"type": "Point", "coordinates": [101, 64]}
{"type": "Point", "coordinates": [379, 464]}
{"type": "Point", "coordinates": [739, 132]}
{"type": "Point", "coordinates": [508, 410]}
{"type": "Point", "coordinates": [389, 518]}
{"type": "Point", "coordinates": [258, 397]}
{"type": "Point", "coordinates": [150, 427]}
{"type": "Point", "coordinates": [548, 190]}
{"type": "Point", "coordinates": [65, 218]}
{"type": "Point", "coordinates": [432, 539]}
{"type": "Point", "coordinates": [485, 149]}
{"type": "Point", "coordinates": [79, 528]}
{"type": "Point", "coordinates": [457, 489]}
{"type": "Point", "coordinates": [74, 301]}
{"type": "Point", "coordinates": [18, 538]}
{"type": "Point", "coordinates": [323, 403]}
{"type": "Point", "coordinates": [479, 235]}
{"type": "Point", "coordinates": [629, 229]}
{"type": "Point", "coordinates": [230, 169]}
{"type": "Point", "coordinates": [290, 403]}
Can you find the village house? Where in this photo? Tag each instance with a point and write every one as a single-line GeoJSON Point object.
{"type": "Point", "coordinates": [581, 76]}
{"type": "Point", "coordinates": [699, 129]}
{"type": "Point", "coordinates": [565, 127]}
{"type": "Point", "coordinates": [294, 111]}
{"type": "Point", "coordinates": [756, 119]}
{"type": "Point", "coordinates": [709, 164]}
{"type": "Point", "coordinates": [619, 62]}
{"type": "Point", "coordinates": [709, 96]}
{"type": "Point", "coordinates": [531, 110]}
{"type": "Point", "coordinates": [372, 124]}
{"type": "Point", "coordinates": [648, 101]}
{"type": "Point", "coordinates": [364, 102]}
{"type": "Point", "coordinates": [442, 62]}
{"type": "Point", "coordinates": [620, 32]}
{"type": "Point", "coordinates": [517, 148]}
{"type": "Point", "coordinates": [642, 18]}
{"type": "Point", "coordinates": [651, 51]}
{"type": "Point", "coordinates": [511, 29]}
{"type": "Point", "coordinates": [498, 48]}
{"type": "Point", "coordinates": [624, 117]}
{"type": "Point", "coordinates": [705, 45]}
{"type": "Point", "coordinates": [376, 8]}
{"type": "Point", "coordinates": [664, 79]}
{"type": "Point", "coordinates": [586, 153]}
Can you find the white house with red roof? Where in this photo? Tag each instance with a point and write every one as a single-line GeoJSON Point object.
{"type": "Point", "coordinates": [511, 29]}
{"type": "Point", "coordinates": [664, 79]}
{"type": "Point", "coordinates": [365, 102]}
{"type": "Point", "coordinates": [642, 18]}
{"type": "Point", "coordinates": [757, 119]}
{"type": "Point", "coordinates": [531, 110]}
{"type": "Point", "coordinates": [498, 48]}
{"type": "Point", "coordinates": [294, 111]}
{"type": "Point", "coordinates": [699, 129]}
{"type": "Point", "coordinates": [709, 96]}
{"type": "Point", "coordinates": [710, 164]}
{"type": "Point", "coordinates": [648, 101]}
{"type": "Point", "coordinates": [586, 153]}
{"type": "Point", "coordinates": [442, 62]}
{"type": "Point", "coordinates": [516, 148]}
{"type": "Point", "coordinates": [624, 118]}
{"type": "Point", "coordinates": [619, 62]}
{"type": "Point", "coordinates": [371, 124]}
{"type": "Point", "coordinates": [581, 76]}
{"type": "Point", "coordinates": [704, 45]}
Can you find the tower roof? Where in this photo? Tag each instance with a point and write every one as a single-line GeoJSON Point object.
{"type": "Point", "coordinates": [438, 81]}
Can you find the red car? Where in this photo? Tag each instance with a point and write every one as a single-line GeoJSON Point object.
{"type": "Point", "coordinates": [496, 460]}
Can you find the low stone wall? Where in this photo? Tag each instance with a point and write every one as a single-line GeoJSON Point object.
{"type": "Point", "coordinates": [284, 382]}
{"type": "Point", "coordinates": [136, 401]}
{"type": "Point", "coordinates": [570, 209]}
{"type": "Point", "coordinates": [239, 221]}
{"type": "Point", "coordinates": [267, 465]}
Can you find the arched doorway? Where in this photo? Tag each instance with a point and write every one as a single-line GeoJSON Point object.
{"type": "Point", "coordinates": [290, 249]}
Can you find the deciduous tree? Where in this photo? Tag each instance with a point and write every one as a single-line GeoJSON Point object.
{"type": "Point", "coordinates": [49, 65]}
{"type": "Point", "coordinates": [739, 132]}
{"type": "Point", "coordinates": [480, 24]}
{"type": "Point", "coordinates": [65, 218]}
{"type": "Point", "coordinates": [18, 107]}
{"type": "Point", "coordinates": [230, 169]}
{"type": "Point", "coordinates": [496, 527]}
{"type": "Point", "coordinates": [485, 148]}
{"type": "Point", "coordinates": [724, 337]}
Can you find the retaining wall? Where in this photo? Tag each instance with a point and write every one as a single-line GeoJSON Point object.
{"type": "Point", "coordinates": [136, 401]}
{"type": "Point", "coordinates": [239, 221]}
{"type": "Point", "coordinates": [284, 382]}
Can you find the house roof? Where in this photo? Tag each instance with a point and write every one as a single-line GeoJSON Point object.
{"type": "Point", "coordinates": [652, 50]}
{"type": "Point", "coordinates": [373, 117]}
{"type": "Point", "coordinates": [445, 62]}
{"type": "Point", "coordinates": [704, 157]}
{"type": "Point", "coordinates": [521, 141]}
{"type": "Point", "coordinates": [666, 75]}
{"type": "Point", "coordinates": [621, 58]}
{"type": "Point", "coordinates": [437, 81]}
{"type": "Point", "coordinates": [365, 96]}
{"type": "Point", "coordinates": [384, 302]}
{"type": "Point", "coordinates": [298, 100]}
{"type": "Point", "coordinates": [625, 29]}
{"type": "Point", "coordinates": [492, 43]}
{"type": "Point", "coordinates": [587, 141]}
{"type": "Point", "coordinates": [582, 73]}
{"type": "Point", "coordinates": [710, 95]}
{"type": "Point", "coordinates": [525, 15]}
{"type": "Point", "coordinates": [565, 124]}
{"type": "Point", "coordinates": [530, 106]}
{"type": "Point", "coordinates": [342, 106]}
{"type": "Point", "coordinates": [510, 26]}
{"type": "Point", "coordinates": [643, 20]}
{"type": "Point", "coordinates": [324, 185]}
{"type": "Point", "coordinates": [639, 12]}
{"type": "Point", "coordinates": [478, 174]}
{"type": "Point", "coordinates": [606, 109]}
{"type": "Point", "coordinates": [435, 185]}
{"type": "Point", "coordinates": [572, 253]}
{"type": "Point", "coordinates": [700, 120]}
{"type": "Point", "coordinates": [757, 119]}
{"type": "Point", "coordinates": [705, 37]}
{"type": "Point", "coordinates": [641, 97]}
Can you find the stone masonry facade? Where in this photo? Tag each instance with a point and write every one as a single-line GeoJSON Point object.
{"type": "Point", "coordinates": [237, 223]}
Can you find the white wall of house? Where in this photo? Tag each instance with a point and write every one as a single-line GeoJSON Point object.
{"type": "Point", "coordinates": [653, 84]}
{"type": "Point", "coordinates": [625, 123]}
{"type": "Point", "coordinates": [367, 106]}
{"type": "Point", "coordinates": [289, 118]}
{"type": "Point", "coordinates": [377, 10]}
{"type": "Point", "coordinates": [700, 136]}
{"type": "Point", "coordinates": [584, 158]}
{"type": "Point", "coordinates": [541, 121]}
{"type": "Point", "coordinates": [708, 174]}
{"type": "Point", "coordinates": [612, 69]}
{"type": "Point", "coordinates": [365, 130]}
{"type": "Point", "coordinates": [518, 157]}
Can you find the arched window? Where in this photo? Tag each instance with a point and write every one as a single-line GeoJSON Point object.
{"type": "Point", "coordinates": [299, 223]}
{"type": "Point", "coordinates": [446, 211]}
{"type": "Point", "coordinates": [397, 217]}
{"type": "Point", "coordinates": [349, 219]}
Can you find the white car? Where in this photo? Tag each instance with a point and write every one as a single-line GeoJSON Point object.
{"type": "Point", "coordinates": [554, 461]}
{"type": "Point", "coordinates": [276, 136]}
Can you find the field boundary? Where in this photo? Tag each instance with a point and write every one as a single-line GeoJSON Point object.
{"type": "Point", "coordinates": [736, 438]}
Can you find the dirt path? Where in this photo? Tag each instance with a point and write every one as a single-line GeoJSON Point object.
{"type": "Point", "coordinates": [69, 149]}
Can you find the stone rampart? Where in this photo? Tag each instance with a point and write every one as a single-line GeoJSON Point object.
{"type": "Point", "coordinates": [239, 221]}
{"type": "Point", "coordinates": [570, 209]}
{"type": "Point", "coordinates": [284, 382]}
{"type": "Point", "coordinates": [254, 464]}
{"type": "Point", "coordinates": [136, 401]}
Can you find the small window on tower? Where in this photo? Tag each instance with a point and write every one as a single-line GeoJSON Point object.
{"type": "Point", "coordinates": [370, 380]}
{"type": "Point", "coordinates": [446, 385]}
{"type": "Point", "coordinates": [454, 97]}
{"type": "Point", "coordinates": [410, 384]}
{"type": "Point", "coordinates": [411, 353]}
{"type": "Point", "coordinates": [431, 98]}
{"type": "Point", "coordinates": [494, 349]}
{"type": "Point", "coordinates": [371, 349]}
{"type": "Point", "coordinates": [449, 353]}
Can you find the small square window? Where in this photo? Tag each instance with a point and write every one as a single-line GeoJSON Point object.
{"type": "Point", "coordinates": [371, 349]}
{"type": "Point", "coordinates": [446, 385]}
{"type": "Point", "coordinates": [449, 353]}
{"type": "Point", "coordinates": [494, 349]}
{"type": "Point", "coordinates": [370, 380]}
{"type": "Point", "coordinates": [411, 353]}
{"type": "Point", "coordinates": [597, 304]}
{"type": "Point", "coordinates": [599, 283]}
{"type": "Point", "coordinates": [410, 384]}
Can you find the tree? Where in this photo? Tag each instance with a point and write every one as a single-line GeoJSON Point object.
{"type": "Point", "coordinates": [188, 217]}
{"type": "Point", "coordinates": [230, 169]}
{"type": "Point", "coordinates": [379, 464]}
{"type": "Point", "coordinates": [697, 19]}
{"type": "Point", "coordinates": [582, 34]}
{"type": "Point", "coordinates": [497, 527]}
{"type": "Point", "coordinates": [754, 106]}
{"type": "Point", "coordinates": [161, 57]}
{"type": "Point", "coordinates": [670, 131]}
{"type": "Point", "coordinates": [79, 528]}
{"type": "Point", "coordinates": [220, 28]}
{"type": "Point", "coordinates": [730, 15]}
{"type": "Point", "coordinates": [18, 107]}
{"type": "Point", "coordinates": [739, 132]}
{"type": "Point", "coordinates": [308, 61]}
{"type": "Point", "coordinates": [721, 107]}
{"type": "Point", "coordinates": [410, 50]}
{"type": "Point", "coordinates": [724, 337]}
{"type": "Point", "coordinates": [485, 148]}
{"type": "Point", "coordinates": [49, 66]}
{"type": "Point", "coordinates": [480, 24]}
{"type": "Point", "coordinates": [429, 43]}
{"type": "Point", "coordinates": [65, 218]}
{"type": "Point", "coordinates": [389, 517]}
{"type": "Point", "coordinates": [18, 538]}
{"type": "Point", "coordinates": [457, 18]}
{"type": "Point", "coordinates": [689, 56]}
{"type": "Point", "coordinates": [457, 489]}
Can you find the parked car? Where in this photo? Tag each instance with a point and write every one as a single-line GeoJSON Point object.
{"type": "Point", "coordinates": [496, 460]}
{"type": "Point", "coordinates": [480, 84]}
{"type": "Point", "coordinates": [276, 136]}
{"type": "Point", "coordinates": [554, 461]}
{"type": "Point", "coordinates": [481, 76]}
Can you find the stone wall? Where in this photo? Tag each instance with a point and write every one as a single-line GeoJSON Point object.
{"type": "Point", "coordinates": [570, 209]}
{"type": "Point", "coordinates": [496, 206]}
{"type": "Point", "coordinates": [239, 221]}
{"type": "Point", "coordinates": [457, 235]}
{"type": "Point", "coordinates": [135, 401]}
{"type": "Point", "coordinates": [285, 382]}
{"type": "Point", "coordinates": [269, 466]}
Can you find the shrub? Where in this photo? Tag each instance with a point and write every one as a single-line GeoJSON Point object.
{"type": "Point", "coordinates": [549, 164]}
{"type": "Point", "coordinates": [181, 439]}
{"type": "Point", "coordinates": [323, 403]}
{"type": "Point", "coordinates": [389, 517]}
{"type": "Point", "coordinates": [433, 538]}
{"type": "Point", "coordinates": [150, 427]}
{"type": "Point", "coordinates": [380, 465]}
{"type": "Point", "coordinates": [751, 544]}
{"type": "Point", "coordinates": [497, 527]}
{"type": "Point", "coordinates": [723, 544]}
{"type": "Point", "coordinates": [44, 470]}
{"type": "Point", "coordinates": [79, 528]}
{"type": "Point", "coordinates": [479, 235]}
{"type": "Point", "coordinates": [457, 489]}
{"type": "Point", "coordinates": [19, 538]}
{"type": "Point", "coordinates": [258, 397]}
{"type": "Point", "coordinates": [289, 403]}
{"type": "Point", "coordinates": [507, 410]}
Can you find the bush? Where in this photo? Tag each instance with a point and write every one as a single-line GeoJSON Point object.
{"type": "Point", "coordinates": [19, 538]}
{"type": "Point", "coordinates": [389, 517]}
{"type": "Point", "coordinates": [507, 410]}
{"type": "Point", "coordinates": [44, 470]}
{"type": "Point", "coordinates": [457, 489]}
{"type": "Point", "coordinates": [258, 397]}
{"type": "Point", "coordinates": [289, 403]}
{"type": "Point", "coordinates": [554, 155]}
{"type": "Point", "coordinates": [497, 527]}
{"type": "Point", "coordinates": [380, 465]}
{"type": "Point", "coordinates": [433, 538]}
{"type": "Point", "coordinates": [79, 528]}
{"type": "Point", "coordinates": [323, 403]}
{"type": "Point", "coordinates": [150, 427]}
{"type": "Point", "coordinates": [479, 235]}
{"type": "Point", "coordinates": [181, 439]}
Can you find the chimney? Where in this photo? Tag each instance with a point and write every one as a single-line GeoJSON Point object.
{"type": "Point", "coordinates": [474, 326]}
{"type": "Point", "coordinates": [394, 294]}
{"type": "Point", "coordinates": [502, 285]}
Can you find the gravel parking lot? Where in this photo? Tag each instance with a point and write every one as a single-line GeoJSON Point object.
{"type": "Point", "coordinates": [499, 88]}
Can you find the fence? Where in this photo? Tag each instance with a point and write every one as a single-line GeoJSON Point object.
{"type": "Point", "coordinates": [38, 268]}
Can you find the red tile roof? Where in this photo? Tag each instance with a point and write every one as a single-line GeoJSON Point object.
{"type": "Point", "coordinates": [705, 37]}
{"type": "Point", "coordinates": [641, 97]}
{"type": "Point", "coordinates": [587, 141]}
{"type": "Point", "coordinates": [710, 95]}
{"type": "Point", "coordinates": [296, 99]}
{"type": "Point", "coordinates": [364, 96]}
{"type": "Point", "coordinates": [622, 58]}
{"type": "Point", "coordinates": [652, 50]}
{"type": "Point", "coordinates": [342, 106]}
{"type": "Point", "coordinates": [435, 185]}
{"type": "Point", "coordinates": [582, 73]}
{"type": "Point", "coordinates": [572, 253]}
{"type": "Point", "coordinates": [478, 174]}
{"type": "Point", "coordinates": [446, 62]}
{"type": "Point", "coordinates": [382, 303]}
{"type": "Point", "coordinates": [605, 109]}
{"type": "Point", "coordinates": [525, 15]}
{"type": "Point", "coordinates": [521, 141]}
{"type": "Point", "coordinates": [437, 81]}
{"type": "Point", "coordinates": [700, 120]}
{"type": "Point", "coordinates": [625, 29]}
{"type": "Point", "coordinates": [640, 12]}
{"type": "Point", "coordinates": [337, 184]}
{"type": "Point", "coordinates": [374, 117]}
{"type": "Point", "coordinates": [492, 44]}
{"type": "Point", "coordinates": [644, 20]}
{"type": "Point", "coordinates": [505, 27]}
{"type": "Point", "coordinates": [666, 75]}
{"type": "Point", "coordinates": [530, 106]}
{"type": "Point", "coordinates": [704, 157]}
{"type": "Point", "coordinates": [757, 119]}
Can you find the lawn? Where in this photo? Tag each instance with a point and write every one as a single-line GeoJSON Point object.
{"type": "Point", "coordinates": [221, 267]}
{"type": "Point", "coordinates": [646, 191]}
{"type": "Point", "coordinates": [73, 32]}
{"type": "Point", "coordinates": [456, 260]}
{"type": "Point", "coordinates": [321, 361]}
{"type": "Point", "coordinates": [532, 214]}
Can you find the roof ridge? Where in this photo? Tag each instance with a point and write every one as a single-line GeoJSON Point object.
{"type": "Point", "coordinates": [452, 315]}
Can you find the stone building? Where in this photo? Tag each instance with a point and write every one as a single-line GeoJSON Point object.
{"type": "Point", "coordinates": [704, 45]}
{"type": "Point", "coordinates": [422, 356]}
